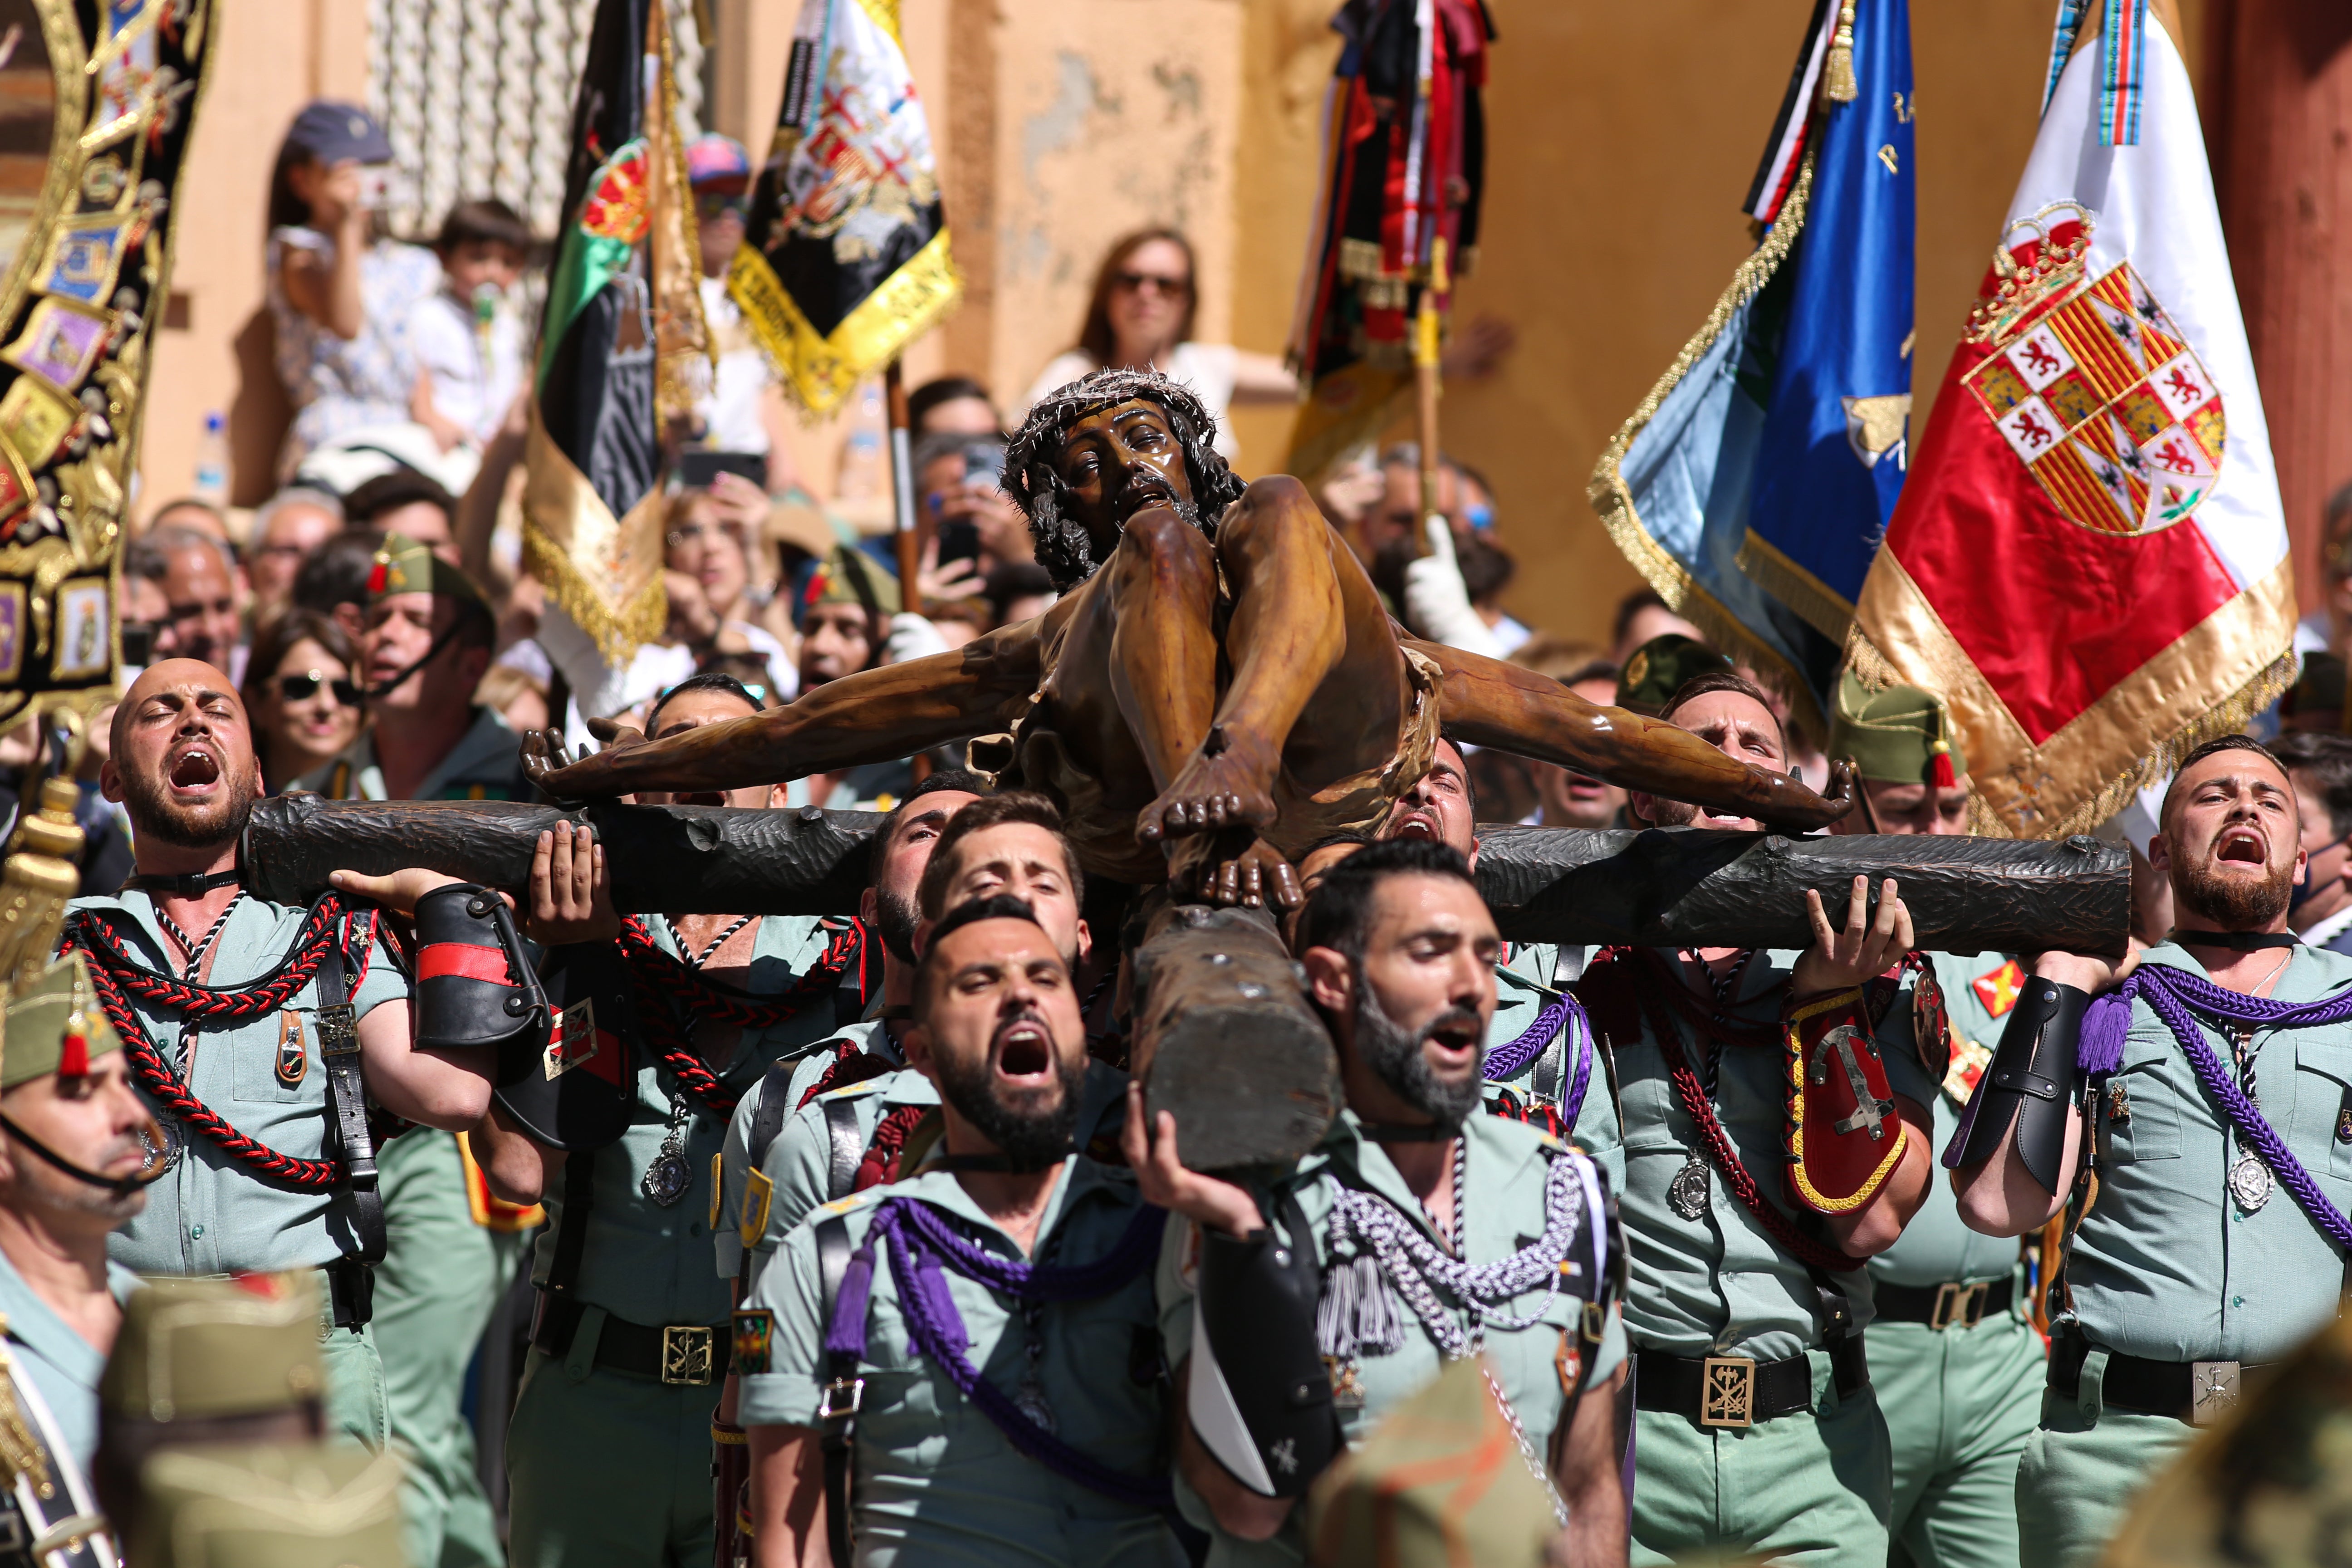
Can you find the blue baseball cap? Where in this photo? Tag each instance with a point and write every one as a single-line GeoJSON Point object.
{"type": "Point", "coordinates": [335, 132]}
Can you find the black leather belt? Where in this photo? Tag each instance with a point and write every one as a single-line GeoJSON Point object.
{"type": "Point", "coordinates": [676, 1354]}
{"type": "Point", "coordinates": [351, 1291]}
{"type": "Point", "coordinates": [2197, 1392]}
{"type": "Point", "coordinates": [1949, 1306]}
{"type": "Point", "coordinates": [1739, 1391]}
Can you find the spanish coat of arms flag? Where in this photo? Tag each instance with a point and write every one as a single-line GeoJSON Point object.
{"type": "Point", "coordinates": [618, 343]}
{"type": "Point", "coordinates": [2089, 562]}
{"type": "Point", "coordinates": [844, 257]}
{"type": "Point", "coordinates": [1752, 485]}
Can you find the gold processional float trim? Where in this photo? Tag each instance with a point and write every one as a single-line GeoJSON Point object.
{"type": "Point", "coordinates": [88, 263]}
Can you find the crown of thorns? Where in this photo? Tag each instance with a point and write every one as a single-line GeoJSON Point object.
{"type": "Point", "coordinates": [1037, 443]}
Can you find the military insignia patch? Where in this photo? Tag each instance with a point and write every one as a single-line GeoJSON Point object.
{"type": "Point", "coordinates": [1969, 1061]}
{"type": "Point", "coordinates": [1999, 989]}
{"type": "Point", "coordinates": [758, 1193]}
{"type": "Point", "coordinates": [755, 1330]}
{"type": "Point", "coordinates": [2099, 394]}
{"type": "Point", "coordinates": [573, 1039]}
{"type": "Point", "coordinates": [293, 1061]}
{"type": "Point", "coordinates": [1568, 1362]}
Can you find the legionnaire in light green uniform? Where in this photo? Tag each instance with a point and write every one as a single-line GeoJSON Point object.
{"type": "Point", "coordinates": [261, 1079]}
{"type": "Point", "coordinates": [211, 1455]}
{"type": "Point", "coordinates": [1059, 1456]}
{"type": "Point", "coordinates": [1428, 1226]}
{"type": "Point", "coordinates": [608, 1455]}
{"type": "Point", "coordinates": [443, 1275]}
{"type": "Point", "coordinates": [2203, 1257]}
{"type": "Point", "coordinates": [1756, 1430]}
{"type": "Point", "coordinates": [1953, 1352]}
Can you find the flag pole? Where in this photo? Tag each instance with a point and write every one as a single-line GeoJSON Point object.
{"type": "Point", "coordinates": [1426, 387]}
{"type": "Point", "coordinates": [902, 489]}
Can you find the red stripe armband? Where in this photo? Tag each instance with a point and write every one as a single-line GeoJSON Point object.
{"type": "Point", "coordinates": [467, 962]}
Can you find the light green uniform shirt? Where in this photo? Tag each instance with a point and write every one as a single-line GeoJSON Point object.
{"type": "Point", "coordinates": [936, 1480]}
{"type": "Point", "coordinates": [2165, 1266]}
{"type": "Point", "coordinates": [1720, 1283]}
{"type": "Point", "coordinates": [210, 1214]}
{"type": "Point", "coordinates": [1524, 988]}
{"type": "Point", "coordinates": [1505, 1169]}
{"type": "Point", "coordinates": [800, 1162]}
{"type": "Point", "coordinates": [485, 765]}
{"type": "Point", "coordinates": [1935, 1248]}
{"type": "Point", "coordinates": [735, 1157]}
{"type": "Point", "coordinates": [642, 1262]}
{"type": "Point", "coordinates": [63, 1367]}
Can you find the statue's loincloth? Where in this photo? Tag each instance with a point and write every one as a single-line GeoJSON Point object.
{"type": "Point", "coordinates": [1034, 757]}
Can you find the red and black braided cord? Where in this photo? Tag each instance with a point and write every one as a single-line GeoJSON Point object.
{"type": "Point", "coordinates": [118, 978]}
{"type": "Point", "coordinates": [677, 994]}
{"type": "Point", "coordinates": [1717, 1142]}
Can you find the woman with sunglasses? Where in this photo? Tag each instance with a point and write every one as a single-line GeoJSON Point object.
{"type": "Point", "coordinates": [299, 693]}
{"type": "Point", "coordinates": [1141, 317]}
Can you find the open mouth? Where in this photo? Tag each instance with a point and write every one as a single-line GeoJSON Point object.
{"type": "Point", "coordinates": [1416, 824]}
{"type": "Point", "coordinates": [1456, 1035]}
{"type": "Point", "coordinates": [1025, 1048]}
{"type": "Point", "coordinates": [2243, 846]}
{"type": "Point", "coordinates": [1141, 494]}
{"type": "Point", "coordinates": [1582, 786]}
{"type": "Point", "coordinates": [705, 798]}
{"type": "Point", "coordinates": [194, 770]}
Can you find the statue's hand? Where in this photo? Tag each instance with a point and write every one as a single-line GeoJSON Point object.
{"type": "Point", "coordinates": [1228, 783]}
{"type": "Point", "coordinates": [1794, 809]}
{"type": "Point", "coordinates": [545, 765]}
{"type": "Point", "coordinates": [1234, 867]}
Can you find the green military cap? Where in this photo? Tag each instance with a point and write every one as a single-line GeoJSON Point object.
{"type": "Point", "coordinates": [55, 1025]}
{"type": "Point", "coordinates": [1658, 668]}
{"type": "Point", "coordinates": [2319, 690]}
{"type": "Point", "coordinates": [1440, 1480]}
{"type": "Point", "coordinates": [1899, 735]}
{"type": "Point", "coordinates": [851, 576]}
{"type": "Point", "coordinates": [405, 566]}
{"type": "Point", "coordinates": [194, 1349]}
{"type": "Point", "coordinates": [268, 1505]}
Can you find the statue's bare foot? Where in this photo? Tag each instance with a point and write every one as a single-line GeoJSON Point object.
{"type": "Point", "coordinates": [1234, 866]}
{"type": "Point", "coordinates": [543, 761]}
{"type": "Point", "coordinates": [1227, 784]}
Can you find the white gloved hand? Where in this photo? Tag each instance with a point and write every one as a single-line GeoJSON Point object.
{"type": "Point", "coordinates": [1437, 605]}
{"type": "Point", "coordinates": [912, 636]}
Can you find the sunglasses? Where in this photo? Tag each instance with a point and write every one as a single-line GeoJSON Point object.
{"type": "Point", "coordinates": [300, 688]}
{"type": "Point", "coordinates": [1136, 283]}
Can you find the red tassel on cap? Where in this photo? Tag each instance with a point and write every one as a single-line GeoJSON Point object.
{"type": "Point", "coordinates": [378, 575]}
{"type": "Point", "coordinates": [1940, 766]}
{"type": "Point", "coordinates": [73, 1060]}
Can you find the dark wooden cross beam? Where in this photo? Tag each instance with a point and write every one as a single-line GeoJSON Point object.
{"type": "Point", "coordinates": [1675, 887]}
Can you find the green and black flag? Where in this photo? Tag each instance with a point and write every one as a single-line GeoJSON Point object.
{"type": "Point", "coordinates": [623, 320]}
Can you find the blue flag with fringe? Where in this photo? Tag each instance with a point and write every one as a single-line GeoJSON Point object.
{"type": "Point", "coordinates": [1753, 485]}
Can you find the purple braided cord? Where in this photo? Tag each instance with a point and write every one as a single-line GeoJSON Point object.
{"type": "Point", "coordinates": [1506, 1062]}
{"type": "Point", "coordinates": [920, 1240]}
{"type": "Point", "coordinates": [2176, 996]}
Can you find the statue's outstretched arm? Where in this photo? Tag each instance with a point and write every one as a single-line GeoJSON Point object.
{"type": "Point", "coordinates": [874, 716]}
{"type": "Point", "coordinates": [1486, 703]}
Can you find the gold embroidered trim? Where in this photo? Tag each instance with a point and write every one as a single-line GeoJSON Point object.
{"type": "Point", "coordinates": [1771, 569]}
{"type": "Point", "coordinates": [821, 371]}
{"type": "Point", "coordinates": [1612, 499]}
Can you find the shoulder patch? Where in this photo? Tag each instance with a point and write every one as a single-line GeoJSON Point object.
{"type": "Point", "coordinates": [1999, 988]}
{"type": "Point", "coordinates": [755, 1330]}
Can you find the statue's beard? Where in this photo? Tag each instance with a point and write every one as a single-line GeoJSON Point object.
{"type": "Point", "coordinates": [1069, 550]}
{"type": "Point", "coordinates": [2233, 903]}
{"type": "Point", "coordinates": [1033, 1129]}
{"type": "Point", "coordinates": [222, 821]}
{"type": "Point", "coordinates": [1393, 1053]}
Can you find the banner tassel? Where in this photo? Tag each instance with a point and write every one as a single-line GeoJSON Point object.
{"type": "Point", "coordinates": [1837, 72]}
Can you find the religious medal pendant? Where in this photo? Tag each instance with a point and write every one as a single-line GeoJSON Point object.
{"type": "Point", "coordinates": [1347, 1383]}
{"type": "Point", "coordinates": [2250, 1184]}
{"type": "Point", "coordinates": [1688, 1194]}
{"type": "Point", "coordinates": [668, 1177]}
{"type": "Point", "coordinates": [1030, 1397]}
{"type": "Point", "coordinates": [174, 1144]}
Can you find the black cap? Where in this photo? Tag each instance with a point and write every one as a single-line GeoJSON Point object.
{"type": "Point", "coordinates": [335, 132]}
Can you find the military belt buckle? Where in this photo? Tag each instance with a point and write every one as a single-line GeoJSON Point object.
{"type": "Point", "coordinates": [1727, 1396]}
{"type": "Point", "coordinates": [686, 1354]}
{"type": "Point", "coordinates": [852, 1389]}
{"type": "Point", "coordinates": [2212, 1391]}
{"type": "Point", "coordinates": [1959, 1306]}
